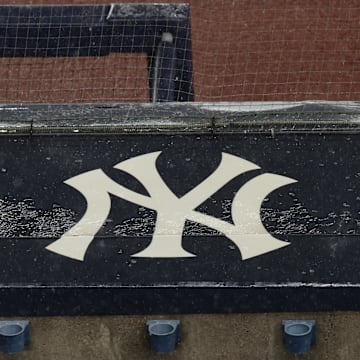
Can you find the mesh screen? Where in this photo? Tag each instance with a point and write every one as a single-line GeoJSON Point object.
{"type": "Point", "coordinates": [241, 50]}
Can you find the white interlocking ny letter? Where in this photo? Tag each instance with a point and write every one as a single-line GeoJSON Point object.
{"type": "Point", "coordinates": [247, 232]}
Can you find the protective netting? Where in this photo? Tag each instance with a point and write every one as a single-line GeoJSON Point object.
{"type": "Point", "coordinates": [233, 50]}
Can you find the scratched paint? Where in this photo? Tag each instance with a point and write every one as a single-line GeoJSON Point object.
{"type": "Point", "coordinates": [23, 219]}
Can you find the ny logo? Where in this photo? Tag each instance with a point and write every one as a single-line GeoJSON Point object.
{"type": "Point", "coordinates": [247, 231]}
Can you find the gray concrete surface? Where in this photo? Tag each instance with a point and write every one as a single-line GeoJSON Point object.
{"type": "Point", "coordinates": [210, 337]}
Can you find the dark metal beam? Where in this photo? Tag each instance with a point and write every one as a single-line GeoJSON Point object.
{"type": "Point", "coordinates": [71, 31]}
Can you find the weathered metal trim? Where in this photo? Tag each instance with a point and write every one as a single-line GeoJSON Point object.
{"type": "Point", "coordinates": [180, 118]}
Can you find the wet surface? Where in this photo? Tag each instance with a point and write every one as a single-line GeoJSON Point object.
{"type": "Point", "coordinates": [318, 216]}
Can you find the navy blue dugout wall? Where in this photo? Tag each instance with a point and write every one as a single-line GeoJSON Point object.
{"type": "Point", "coordinates": [85, 188]}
